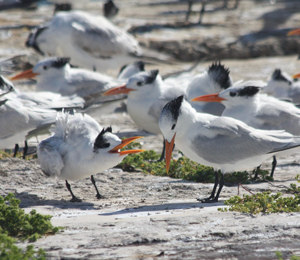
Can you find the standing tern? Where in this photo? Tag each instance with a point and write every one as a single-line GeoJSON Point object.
{"type": "Point", "coordinates": [80, 147]}
{"type": "Point", "coordinates": [244, 102]}
{"type": "Point", "coordinates": [223, 143]}
{"type": "Point", "coordinates": [90, 41]}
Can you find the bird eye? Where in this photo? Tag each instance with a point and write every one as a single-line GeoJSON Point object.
{"type": "Point", "coordinates": [140, 83]}
{"type": "Point", "coordinates": [173, 126]}
{"type": "Point", "coordinates": [232, 94]}
{"type": "Point", "coordinates": [45, 67]}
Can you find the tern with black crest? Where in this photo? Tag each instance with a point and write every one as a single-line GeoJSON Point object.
{"type": "Point", "coordinates": [224, 143]}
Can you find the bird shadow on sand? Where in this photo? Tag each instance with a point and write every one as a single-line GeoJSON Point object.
{"type": "Point", "coordinates": [31, 200]}
{"type": "Point", "coordinates": [164, 207]}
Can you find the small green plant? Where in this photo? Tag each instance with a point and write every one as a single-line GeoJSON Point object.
{"type": "Point", "coordinates": [293, 187]}
{"type": "Point", "coordinates": [293, 257]}
{"type": "Point", "coordinates": [9, 153]}
{"type": "Point", "coordinates": [9, 251]}
{"type": "Point", "coordinates": [264, 202]}
{"type": "Point", "coordinates": [17, 223]}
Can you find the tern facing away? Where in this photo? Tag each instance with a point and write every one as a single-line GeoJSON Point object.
{"type": "Point", "coordinates": [90, 41]}
{"type": "Point", "coordinates": [283, 86]}
{"type": "Point", "coordinates": [243, 101]}
{"type": "Point", "coordinates": [223, 143]}
{"type": "Point", "coordinates": [80, 147]}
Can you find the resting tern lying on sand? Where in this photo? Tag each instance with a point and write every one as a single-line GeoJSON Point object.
{"type": "Point", "coordinates": [90, 41]}
{"type": "Point", "coordinates": [80, 147]}
{"type": "Point", "coordinates": [223, 143]}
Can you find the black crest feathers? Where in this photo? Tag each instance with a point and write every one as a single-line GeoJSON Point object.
{"type": "Point", "coordinates": [152, 76]}
{"type": "Point", "coordinates": [101, 141]}
{"type": "Point", "coordinates": [173, 107]}
{"type": "Point", "coordinates": [277, 75]}
{"type": "Point", "coordinates": [60, 62]}
{"type": "Point", "coordinates": [220, 74]}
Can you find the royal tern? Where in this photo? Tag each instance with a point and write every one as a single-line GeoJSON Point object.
{"type": "Point", "coordinates": [24, 114]}
{"type": "Point", "coordinates": [283, 86]}
{"type": "Point", "coordinates": [90, 41]}
{"type": "Point", "coordinates": [223, 143]}
{"type": "Point", "coordinates": [56, 75]}
{"type": "Point", "coordinates": [17, 119]}
{"type": "Point", "coordinates": [215, 79]}
{"type": "Point", "coordinates": [80, 147]}
{"type": "Point", "coordinates": [243, 101]}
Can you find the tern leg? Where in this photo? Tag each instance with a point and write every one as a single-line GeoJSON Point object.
{"type": "Point", "coordinates": [25, 150]}
{"type": "Point", "coordinates": [190, 3]}
{"type": "Point", "coordinates": [202, 12]}
{"type": "Point", "coordinates": [16, 150]}
{"type": "Point", "coordinates": [74, 198]}
{"type": "Point", "coordinates": [162, 156]}
{"type": "Point", "coordinates": [212, 195]}
{"type": "Point", "coordinates": [256, 172]}
{"type": "Point", "coordinates": [274, 163]}
{"type": "Point", "coordinates": [221, 184]}
{"type": "Point", "coordinates": [98, 195]}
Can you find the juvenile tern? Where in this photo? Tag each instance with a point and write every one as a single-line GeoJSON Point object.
{"type": "Point", "coordinates": [80, 147]}
{"type": "Point", "coordinates": [223, 143]}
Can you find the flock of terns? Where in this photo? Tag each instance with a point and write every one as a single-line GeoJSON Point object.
{"type": "Point", "coordinates": [230, 126]}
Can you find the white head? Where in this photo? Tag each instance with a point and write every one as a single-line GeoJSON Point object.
{"type": "Point", "coordinates": [131, 69]}
{"type": "Point", "coordinates": [108, 147]}
{"type": "Point", "coordinates": [50, 67]}
{"type": "Point", "coordinates": [278, 84]}
{"type": "Point", "coordinates": [239, 94]}
{"type": "Point", "coordinates": [139, 84]}
{"type": "Point", "coordinates": [168, 124]}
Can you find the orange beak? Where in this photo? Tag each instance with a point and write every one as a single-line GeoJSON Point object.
{"type": "Point", "coordinates": [294, 32]}
{"type": "Point", "coordinates": [118, 90]}
{"type": "Point", "coordinates": [296, 76]}
{"type": "Point", "coordinates": [28, 74]}
{"type": "Point", "coordinates": [209, 98]}
{"type": "Point", "coordinates": [123, 144]}
{"type": "Point", "coordinates": [168, 152]}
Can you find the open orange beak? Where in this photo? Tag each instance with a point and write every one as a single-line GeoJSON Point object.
{"type": "Point", "coordinates": [168, 152]}
{"type": "Point", "coordinates": [123, 144]}
{"type": "Point", "coordinates": [28, 74]}
{"type": "Point", "coordinates": [294, 32]}
{"type": "Point", "coordinates": [296, 76]}
{"type": "Point", "coordinates": [209, 98]}
{"type": "Point", "coordinates": [118, 90]}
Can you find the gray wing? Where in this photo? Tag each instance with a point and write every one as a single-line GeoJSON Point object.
{"type": "Point", "coordinates": [232, 142]}
{"type": "Point", "coordinates": [103, 41]}
{"type": "Point", "coordinates": [274, 116]}
{"type": "Point", "coordinates": [49, 158]}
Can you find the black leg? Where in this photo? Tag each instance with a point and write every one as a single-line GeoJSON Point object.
{"type": "Point", "coordinates": [221, 184]}
{"type": "Point", "coordinates": [16, 150]}
{"type": "Point", "coordinates": [274, 163]}
{"type": "Point", "coordinates": [190, 3]}
{"type": "Point", "coordinates": [162, 156]}
{"type": "Point", "coordinates": [202, 12]}
{"type": "Point", "coordinates": [25, 150]}
{"type": "Point", "coordinates": [74, 199]}
{"type": "Point", "coordinates": [98, 195]}
{"type": "Point", "coordinates": [212, 195]}
{"type": "Point", "coordinates": [256, 172]}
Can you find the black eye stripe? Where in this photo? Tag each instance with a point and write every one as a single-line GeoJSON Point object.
{"type": "Point", "coordinates": [232, 94]}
